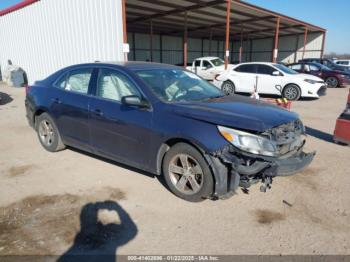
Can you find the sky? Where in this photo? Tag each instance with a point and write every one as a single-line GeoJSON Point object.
{"type": "Point", "coordinates": [331, 15]}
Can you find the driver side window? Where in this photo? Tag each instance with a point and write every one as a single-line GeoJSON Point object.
{"type": "Point", "coordinates": [206, 64]}
{"type": "Point", "coordinates": [114, 85]}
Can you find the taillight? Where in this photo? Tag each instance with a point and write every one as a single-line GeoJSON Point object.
{"type": "Point", "coordinates": [27, 88]}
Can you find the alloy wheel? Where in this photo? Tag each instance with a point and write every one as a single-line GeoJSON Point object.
{"type": "Point", "coordinates": [186, 174]}
{"type": "Point", "coordinates": [227, 88]}
{"type": "Point", "coordinates": [291, 93]}
{"type": "Point", "coordinates": [46, 133]}
{"type": "Point", "coordinates": [332, 82]}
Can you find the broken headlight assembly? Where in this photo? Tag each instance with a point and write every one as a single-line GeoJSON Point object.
{"type": "Point", "coordinates": [249, 142]}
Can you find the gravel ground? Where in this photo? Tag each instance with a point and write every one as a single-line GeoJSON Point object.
{"type": "Point", "coordinates": [50, 202]}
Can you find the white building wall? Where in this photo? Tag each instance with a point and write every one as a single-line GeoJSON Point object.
{"type": "Point", "coordinates": [313, 46]}
{"type": "Point", "coordinates": [50, 34]}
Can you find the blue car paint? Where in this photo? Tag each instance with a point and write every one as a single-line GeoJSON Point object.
{"type": "Point", "coordinates": [135, 135]}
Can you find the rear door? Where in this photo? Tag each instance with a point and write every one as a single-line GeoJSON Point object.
{"type": "Point", "coordinates": [69, 106]}
{"type": "Point", "coordinates": [246, 78]}
{"type": "Point", "coordinates": [119, 131]}
{"type": "Point", "coordinates": [268, 83]}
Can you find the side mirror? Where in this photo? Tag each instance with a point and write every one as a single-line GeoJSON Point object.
{"type": "Point", "coordinates": [133, 101]}
{"type": "Point", "coordinates": [276, 73]}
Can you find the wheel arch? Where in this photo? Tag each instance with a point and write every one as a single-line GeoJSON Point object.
{"type": "Point", "coordinates": [291, 83]}
{"type": "Point", "coordinates": [166, 145]}
{"type": "Point", "coordinates": [38, 112]}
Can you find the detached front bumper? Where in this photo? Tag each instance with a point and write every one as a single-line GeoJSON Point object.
{"type": "Point", "coordinates": [233, 169]}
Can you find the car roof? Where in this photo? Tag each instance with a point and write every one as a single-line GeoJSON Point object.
{"type": "Point", "coordinates": [207, 57]}
{"type": "Point", "coordinates": [132, 65]}
{"type": "Point", "coordinates": [260, 63]}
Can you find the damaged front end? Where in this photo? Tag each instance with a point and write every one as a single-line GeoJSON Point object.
{"type": "Point", "coordinates": [275, 152]}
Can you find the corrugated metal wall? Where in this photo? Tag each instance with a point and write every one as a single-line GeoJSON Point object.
{"type": "Point", "coordinates": [289, 50]}
{"type": "Point", "coordinates": [51, 34]}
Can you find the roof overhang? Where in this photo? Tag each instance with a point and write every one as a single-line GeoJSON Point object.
{"type": "Point", "coordinates": [205, 16]}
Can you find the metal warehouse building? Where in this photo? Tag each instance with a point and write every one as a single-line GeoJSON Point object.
{"type": "Point", "coordinates": [42, 36]}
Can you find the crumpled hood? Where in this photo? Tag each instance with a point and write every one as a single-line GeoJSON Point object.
{"type": "Point", "coordinates": [236, 112]}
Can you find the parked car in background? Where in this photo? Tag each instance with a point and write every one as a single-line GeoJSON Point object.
{"type": "Point", "coordinates": [207, 67]}
{"type": "Point", "coordinates": [343, 63]}
{"type": "Point", "coordinates": [333, 78]}
{"type": "Point", "coordinates": [270, 78]}
{"type": "Point", "coordinates": [327, 62]}
{"type": "Point", "coordinates": [168, 121]}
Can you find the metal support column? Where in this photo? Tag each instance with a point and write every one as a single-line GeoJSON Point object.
{"type": "Point", "coordinates": [210, 40]}
{"type": "Point", "coordinates": [185, 41]}
{"type": "Point", "coordinates": [151, 40]}
{"type": "Point", "coordinates": [275, 48]}
{"type": "Point", "coordinates": [227, 44]}
{"type": "Point", "coordinates": [323, 44]}
{"type": "Point", "coordinates": [305, 41]}
{"type": "Point", "coordinates": [125, 35]}
{"type": "Point", "coordinates": [241, 47]}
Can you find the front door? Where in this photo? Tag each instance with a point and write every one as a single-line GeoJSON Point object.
{"type": "Point", "coordinates": [119, 131]}
{"type": "Point", "coordinates": [267, 82]}
{"type": "Point", "coordinates": [207, 70]}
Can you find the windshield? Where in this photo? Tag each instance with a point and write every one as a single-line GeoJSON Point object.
{"type": "Point", "coordinates": [217, 62]}
{"type": "Point", "coordinates": [176, 85]}
{"type": "Point", "coordinates": [285, 69]}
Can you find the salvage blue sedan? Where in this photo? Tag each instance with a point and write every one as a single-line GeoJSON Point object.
{"type": "Point", "coordinates": [168, 121]}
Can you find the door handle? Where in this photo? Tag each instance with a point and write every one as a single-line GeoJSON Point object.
{"type": "Point", "coordinates": [98, 112]}
{"type": "Point", "coordinates": [56, 100]}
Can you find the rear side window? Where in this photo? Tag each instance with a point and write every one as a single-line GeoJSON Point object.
{"type": "Point", "coordinates": [78, 81]}
{"type": "Point", "coordinates": [296, 67]}
{"type": "Point", "coordinates": [197, 63]}
{"type": "Point", "coordinates": [75, 81]}
{"type": "Point", "coordinates": [251, 68]}
{"type": "Point", "coordinates": [61, 82]}
{"type": "Point", "coordinates": [114, 85]}
{"type": "Point", "coordinates": [265, 69]}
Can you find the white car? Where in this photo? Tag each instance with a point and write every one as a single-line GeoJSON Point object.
{"type": "Point", "coordinates": [207, 67]}
{"type": "Point", "coordinates": [343, 62]}
{"type": "Point", "coordinates": [269, 78]}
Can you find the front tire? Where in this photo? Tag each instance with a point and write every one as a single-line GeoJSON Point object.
{"type": "Point", "coordinates": [228, 87]}
{"type": "Point", "coordinates": [332, 81]}
{"type": "Point", "coordinates": [48, 133]}
{"type": "Point", "coordinates": [291, 92]}
{"type": "Point", "coordinates": [187, 174]}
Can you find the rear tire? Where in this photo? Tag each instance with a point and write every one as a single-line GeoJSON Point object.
{"type": "Point", "coordinates": [291, 92]}
{"type": "Point", "coordinates": [48, 133]}
{"type": "Point", "coordinates": [228, 87]}
{"type": "Point", "coordinates": [187, 174]}
{"type": "Point", "coordinates": [332, 81]}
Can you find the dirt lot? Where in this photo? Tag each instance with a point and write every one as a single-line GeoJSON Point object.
{"type": "Point", "coordinates": [50, 202]}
